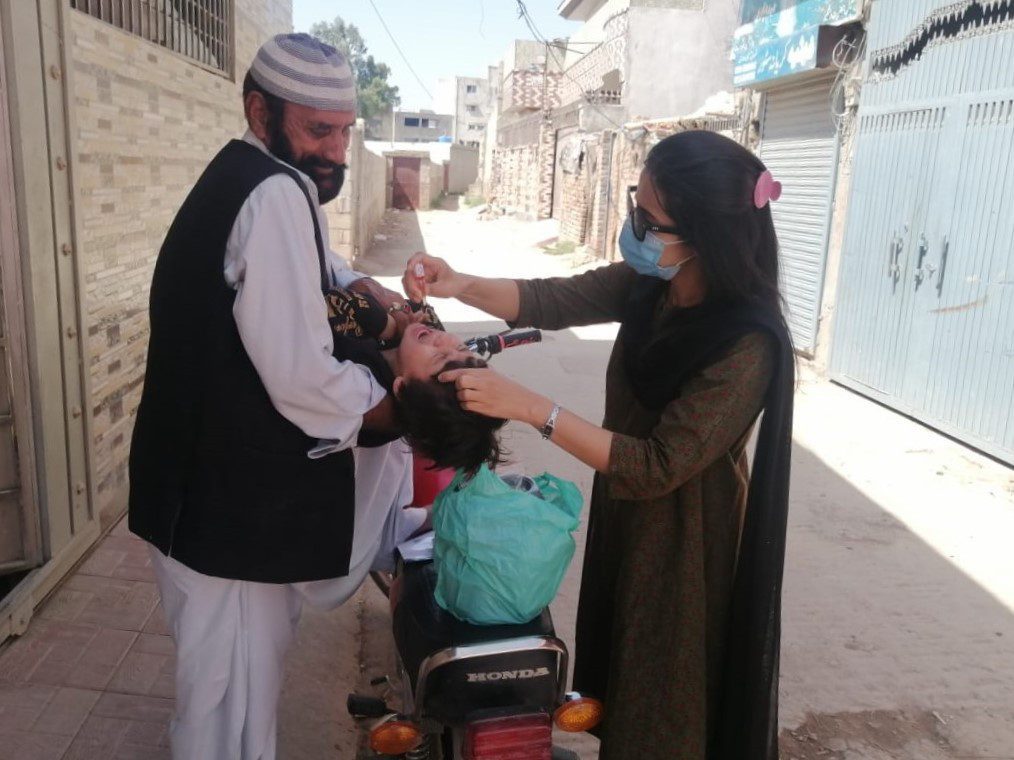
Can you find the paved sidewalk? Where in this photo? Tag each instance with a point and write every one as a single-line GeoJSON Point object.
{"type": "Point", "coordinates": [92, 677]}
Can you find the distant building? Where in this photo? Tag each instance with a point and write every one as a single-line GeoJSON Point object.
{"type": "Point", "coordinates": [471, 110]}
{"type": "Point", "coordinates": [109, 112]}
{"type": "Point", "coordinates": [471, 101]}
{"type": "Point", "coordinates": [410, 126]}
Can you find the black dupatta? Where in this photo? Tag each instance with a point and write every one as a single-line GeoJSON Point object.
{"type": "Point", "coordinates": [659, 360]}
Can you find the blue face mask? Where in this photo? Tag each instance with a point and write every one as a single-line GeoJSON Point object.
{"type": "Point", "coordinates": [643, 255]}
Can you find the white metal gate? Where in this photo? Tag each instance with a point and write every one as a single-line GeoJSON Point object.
{"type": "Point", "coordinates": [925, 314]}
{"type": "Point", "coordinates": [799, 145]}
{"type": "Point", "coordinates": [20, 530]}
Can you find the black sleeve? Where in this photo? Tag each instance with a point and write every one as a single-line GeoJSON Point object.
{"type": "Point", "coordinates": [355, 315]}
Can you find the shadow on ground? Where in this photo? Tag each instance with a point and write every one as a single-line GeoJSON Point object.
{"type": "Point", "coordinates": [889, 640]}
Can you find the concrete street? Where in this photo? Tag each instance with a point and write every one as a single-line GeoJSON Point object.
{"type": "Point", "coordinates": [898, 617]}
{"type": "Point", "coordinates": [899, 595]}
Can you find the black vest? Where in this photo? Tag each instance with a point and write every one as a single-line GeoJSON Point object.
{"type": "Point", "coordinates": [219, 480]}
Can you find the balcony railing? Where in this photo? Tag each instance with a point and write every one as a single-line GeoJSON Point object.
{"type": "Point", "coordinates": [603, 97]}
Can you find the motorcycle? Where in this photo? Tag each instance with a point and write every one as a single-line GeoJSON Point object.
{"type": "Point", "coordinates": [470, 692]}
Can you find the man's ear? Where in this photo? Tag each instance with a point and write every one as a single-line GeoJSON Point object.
{"type": "Point", "coordinates": [399, 384]}
{"type": "Point", "coordinates": [257, 115]}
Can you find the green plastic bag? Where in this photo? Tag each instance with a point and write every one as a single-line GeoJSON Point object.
{"type": "Point", "coordinates": [500, 553]}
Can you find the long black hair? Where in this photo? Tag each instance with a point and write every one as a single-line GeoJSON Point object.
{"type": "Point", "coordinates": [705, 182]}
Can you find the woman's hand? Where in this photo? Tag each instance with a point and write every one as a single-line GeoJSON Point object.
{"type": "Point", "coordinates": [426, 274]}
{"type": "Point", "coordinates": [487, 392]}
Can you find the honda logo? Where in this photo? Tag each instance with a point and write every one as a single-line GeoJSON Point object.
{"type": "Point", "coordinates": [507, 675]}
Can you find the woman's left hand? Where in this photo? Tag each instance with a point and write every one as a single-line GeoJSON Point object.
{"type": "Point", "coordinates": [487, 392]}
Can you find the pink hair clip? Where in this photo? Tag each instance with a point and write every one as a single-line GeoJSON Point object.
{"type": "Point", "coordinates": [767, 189]}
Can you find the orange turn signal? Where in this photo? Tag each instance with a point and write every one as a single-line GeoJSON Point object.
{"type": "Point", "coordinates": [579, 714]}
{"type": "Point", "coordinates": [395, 737]}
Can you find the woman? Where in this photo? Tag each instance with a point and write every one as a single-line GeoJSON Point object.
{"type": "Point", "coordinates": [678, 617]}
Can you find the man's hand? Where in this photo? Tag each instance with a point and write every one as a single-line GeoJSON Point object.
{"type": "Point", "coordinates": [380, 424]}
{"type": "Point", "coordinates": [428, 275]}
{"type": "Point", "coordinates": [386, 298]}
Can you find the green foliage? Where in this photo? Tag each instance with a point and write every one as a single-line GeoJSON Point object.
{"type": "Point", "coordinates": [376, 95]}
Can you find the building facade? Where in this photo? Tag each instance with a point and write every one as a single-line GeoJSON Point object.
{"type": "Point", "coordinates": [653, 58]}
{"type": "Point", "coordinates": [890, 125]}
{"type": "Point", "coordinates": [630, 62]}
{"type": "Point", "coordinates": [802, 107]}
{"type": "Point", "coordinates": [110, 112]}
{"type": "Point", "coordinates": [471, 110]}
{"type": "Point", "coordinates": [411, 126]}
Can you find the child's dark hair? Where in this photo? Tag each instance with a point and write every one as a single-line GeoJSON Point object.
{"type": "Point", "coordinates": [437, 427]}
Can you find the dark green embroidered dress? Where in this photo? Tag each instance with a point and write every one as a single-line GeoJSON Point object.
{"type": "Point", "coordinates": [663, 531]}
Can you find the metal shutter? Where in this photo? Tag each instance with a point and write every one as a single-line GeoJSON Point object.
{"type": "Point", "coordinates": [799, 145]}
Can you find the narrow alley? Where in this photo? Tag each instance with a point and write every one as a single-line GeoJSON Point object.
{"type": "Point", "coordinates": [899, 596]}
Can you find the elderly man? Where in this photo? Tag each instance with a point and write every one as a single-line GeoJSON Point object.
{"type": "Point", "coordinates": [242, 474]}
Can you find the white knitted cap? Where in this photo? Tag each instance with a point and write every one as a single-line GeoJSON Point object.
{"type": "Point", "coordinates": [301, 69]}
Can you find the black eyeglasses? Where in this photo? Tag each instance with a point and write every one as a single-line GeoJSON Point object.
{"type": "Point", "coordinates": [638, 223]}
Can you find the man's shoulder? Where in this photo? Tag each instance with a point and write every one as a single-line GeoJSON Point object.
{"type": "Point", "coordinates": [242, 169]}
{"type": "Point", "coordinates": [243, 160]}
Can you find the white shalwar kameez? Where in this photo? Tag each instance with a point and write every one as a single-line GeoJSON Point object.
{"type": "Point", "coordinates": [232, 636]}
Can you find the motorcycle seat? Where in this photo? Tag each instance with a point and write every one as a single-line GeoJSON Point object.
{"type": "Point", "coordinates": [422, 627]}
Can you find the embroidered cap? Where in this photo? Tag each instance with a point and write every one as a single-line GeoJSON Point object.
{"type": "Point", "coordinates": [301, 69]}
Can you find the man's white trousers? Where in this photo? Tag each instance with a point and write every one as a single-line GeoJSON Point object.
{"type": "Point", "coordinates": [232, 636]}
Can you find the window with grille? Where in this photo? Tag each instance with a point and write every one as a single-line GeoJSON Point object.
{"type": "Point", "coordinates": [198, 29]}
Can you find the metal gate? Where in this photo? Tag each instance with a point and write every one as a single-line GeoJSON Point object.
{"type": "Point", "coordinates": [405, 183]}
{"type": "Point", "coordinates": [20, 529]}
{"type": "Point", "coordinates": [925, 315]}
{"type": "Point", "coordinates": [799, 144]}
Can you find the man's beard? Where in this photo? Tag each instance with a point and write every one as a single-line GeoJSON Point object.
{"type": "Point", "coordinates": [328, 185]}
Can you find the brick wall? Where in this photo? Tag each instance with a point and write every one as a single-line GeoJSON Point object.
{"type": "Point", "coordinates": [586, 203]}
{"type": "Point", "coordinates": [523, 173]}
{"type": "Point", "coordinates": [147, 121]}
{"type": "Point", "coordinates": [573, 207]}
{"type": "Point", "coordinates": [354, 216]}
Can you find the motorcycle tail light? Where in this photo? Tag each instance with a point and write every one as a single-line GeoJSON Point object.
{"type": "Point", "coordinates": [578, 714]}
{"type": "Point", "coordinates": [395, 737]}
{"type": "Point", "coordinates": [519, 737]}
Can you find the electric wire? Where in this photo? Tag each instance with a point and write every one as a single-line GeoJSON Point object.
{"type": "Point", "coordinates": [400, 51]}
{"type": "Point", "coordinates": [524, 15]}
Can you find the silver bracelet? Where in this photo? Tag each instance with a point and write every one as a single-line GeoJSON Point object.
{"type": "Point", "coordinates": [550, 425]}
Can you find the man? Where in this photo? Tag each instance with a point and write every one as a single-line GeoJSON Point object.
{"type": "Point", "coordinates": [242, 475]}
